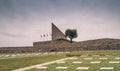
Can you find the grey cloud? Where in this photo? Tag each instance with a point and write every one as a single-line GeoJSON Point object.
{"type": "Point", "coordinates": [24, 7]}
{"type": "Point", "coordinates": [7, 34]}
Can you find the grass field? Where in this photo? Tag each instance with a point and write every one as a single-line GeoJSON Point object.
{"type": "Point", "coordinates": [85, 63]}
{"type": "Point", "coordinates": [10, 62]}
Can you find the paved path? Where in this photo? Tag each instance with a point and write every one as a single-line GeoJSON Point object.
{"type": "Point", "coordinates": [38, 65]}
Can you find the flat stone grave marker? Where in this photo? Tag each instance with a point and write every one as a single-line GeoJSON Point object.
{"type": "Point", "coordinates": [61, 67]}
{"type": "Point", "coordinates": [7, 55]}
{"type": "Point", "coordinates": [114, 62]}
{"type": "Point", "coordinates": [103, 58]}
{"type": "Point", "coordinates": [88, 58]}
{"type": "Point", "coordinates": [60, 62]}
{"type": "Point", "coordinates": [40, 67]}
{"type": "Point", "coordinates": [52, 53]}
{"type": "Point", "coordinates": [107, 55]}
{"type": "Point", "coordinates": [13, 55]}
{"type": "Point", "coordinates": [37, 53]}
{"type": "Point", "coordinates": [84, 55]}
{"type": "Point", "coordinates": [76, 62]}
{"type": "Point", "coordinates": [59, 52]}
{"type": "Point", "coordinates": [82, 68]}
{"type": "Point", "coordinates": [45, 53]}
{"type": "Point", "coordinates": [106, 68]}
{"type": "Point", "coordinates": [96, 55]}
{"type": "Point", "coordinates": [72, 58]}
{"type": "Point", "coordinates": [117, 58]}
{"type": "Point", "coordinates": [95, 62]}
{"type": "Point", "coordinates": [67, 52]}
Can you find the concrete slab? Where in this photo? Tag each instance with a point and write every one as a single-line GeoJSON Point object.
{"type": "Point", "coordinates": [72, 58]}
{"type": "Point", "coordinates": [60, 62]}
{"type": "Point", "coordinates": [117, 58]}
{"type": "Point", "coordinates": [88, 58]}
{"type": "Point", "coordinates": [84, 55]}
{"type": "Point", "coordinates": [96, 55]}
{"type": "Point", "coordinates": [7, 55]}
{"type": "Point", "coordinates": [76, 62]}
{"type": "Point", "coordinates": [82, 68]}
{"type": "Point", "coordinates": [95, 62]}
{"type": "Point", "coordinates": [61, 67]}
{"type": "Point", "coordinates": [103, 58]}
{"type": "Point", "coordinates": [67, 52]}
{"type": "Point", "coordinates": [13, 55]}
{"type": "Point", "coordinates": [106, 68]}
{"type": "Point", "coordinates": [52, 53]}
{"type": "Point", "coordinates": [39, 67]}
{"type": "Point", "coordinates": [114, 62]}
{"type": "Point", "coordinates": [46, 53]}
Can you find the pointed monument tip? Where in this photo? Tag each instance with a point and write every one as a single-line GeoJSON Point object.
{"type": "Point", "coordinates": [52, 23]}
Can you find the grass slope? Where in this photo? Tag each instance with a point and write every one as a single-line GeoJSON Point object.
{"type": "Point", "coordinates": [111, 55]}
{"type": "Point", "coordinates": [20, 62]}
{"type": "Point", "coordinates": [86, 63]}
{"type": "Point", "coordinates": [15, 63]}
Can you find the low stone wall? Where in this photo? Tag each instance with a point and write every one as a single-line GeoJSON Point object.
{"type": "Point", "coordinates": [24, 49]}
{"type": "Point", "coordinates": [100, 44]}
{"type": "Point", "coordinates": [56, 46]}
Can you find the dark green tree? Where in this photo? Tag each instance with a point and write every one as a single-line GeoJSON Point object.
{"type": "Point", "coordinates": [71, 33]}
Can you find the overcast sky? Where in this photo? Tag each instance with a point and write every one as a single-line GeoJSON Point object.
{"type": "Point", "coordinates": [22, 22]}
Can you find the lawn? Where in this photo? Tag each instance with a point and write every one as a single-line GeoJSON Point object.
{"type": "Point", "coordinates": [85, 63]}
{"type": "Point", "coordinates": [10, 62]}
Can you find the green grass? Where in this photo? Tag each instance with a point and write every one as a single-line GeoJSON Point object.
{"type": "Point", "coordinates": [15, 63]}
{"type": "Point", "coordinates": [23, 60]}
{"type": "Point", "coordinates": [86, 63]}
{"type": "Point", "coordinates": [95, 52]}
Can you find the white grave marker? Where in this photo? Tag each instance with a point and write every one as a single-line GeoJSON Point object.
{"type": "Point", "coordinates": [103, 58]}
{"type": "Point", "coordinates": [106, 68]}
{"type": "Point", "coordinates": [52, 53]}
{"type": "Point", "coordinates": [95, 62]}
{"type": "Point", "coordinates": [61, 67]}
{"type": "Point", "coordinates": [88, 58]}
{"type": "Point", "coordinates": [82, 68]}
{"type": "Point", "coordinates": [117, 58]}
{"type": "Point", "coordinates": [13, 55]}
{"type": "Point", "coordinates": [46, 53]}
{"type": "Point", "coordinates": [7, 55]}
{"type": "Point", "coordinates": [42, 67]}
{"type": "Point", "coordinates": [60, 62]}
{"type": "Point", "coordinates": [96, 55]}
{"type": "Point", "coordinates": [77, 62]}
{"type": "Point", "coordinates": [72, 58]}
{"type": "Point", "coordinates": [84, 55]}
{"type": "Point", "coordinates": [113, 62]}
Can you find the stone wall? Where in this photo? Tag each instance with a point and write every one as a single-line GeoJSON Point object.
{"type": "Point", "coordinates": [100, 44]}
{"type": "Point", "coordinates": [56, 46]}
{"type": "Point", "coordinates": [24, 49]}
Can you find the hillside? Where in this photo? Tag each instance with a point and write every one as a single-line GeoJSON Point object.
{"type": "Point", "coordinates": [105, 43]}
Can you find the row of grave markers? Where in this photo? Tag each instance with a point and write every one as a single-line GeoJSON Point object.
{"type": "Point", "coordinates": [83, 68]}
{"type": "Point", "coordinates": [78, 68]}
{"type": "Point", "coordinates": [92, 62]}
{"type": "Point", "coordinates": [103, 58]}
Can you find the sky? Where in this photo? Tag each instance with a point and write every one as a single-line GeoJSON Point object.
{"type": "Point", "coordinates": [22, 22]}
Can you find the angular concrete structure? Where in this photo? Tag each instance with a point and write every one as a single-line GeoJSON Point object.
{"type": "Point", "coordinates": [56, 33]}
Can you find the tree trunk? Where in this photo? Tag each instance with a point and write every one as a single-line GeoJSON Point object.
{"type": "Point", "coordinates": [70, 40]}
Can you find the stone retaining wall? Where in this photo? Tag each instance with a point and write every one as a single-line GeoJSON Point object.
{"type": "Point", "coordinates": [56, 46]}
